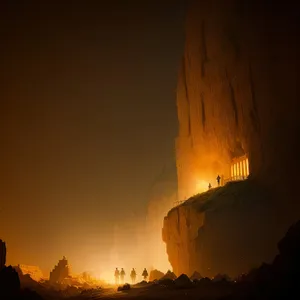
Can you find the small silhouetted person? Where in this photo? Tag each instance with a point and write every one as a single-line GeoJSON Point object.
{"type": "Point", "coordinates": [122, 275]}
{"type": "Point", "coordinates": [133, 275]}
{"type": "Point", "coordinates": [117, 276]}
{"type": "Point", "coordinates": [218, 180]}
{"type": "Point", "coordinates": [209, 186]}
{"type": "Point", "coordinates": [145, 274]}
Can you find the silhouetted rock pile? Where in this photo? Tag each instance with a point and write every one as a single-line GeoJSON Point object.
{"type": "Point", "coordinates": [125, 287]}
{"type": "Point", "coordinates": [196, 276]}
{"type": "Point", "coordinates": [143, 282]}
{"type": "Point", "coordinates": [169, 275]}
{"type": "Point", "coordinates": [279, 279]}
{"type": "Point", "coordinates": [156, 275]}
{"type": "Point", "coordinates": [221, 277]}
{"type": "Point", "coordinates": [183, 281]}
{"type": "Point", "coordinates": [60, 272]}
{"type": "Point", "coordinates": [9, 282]}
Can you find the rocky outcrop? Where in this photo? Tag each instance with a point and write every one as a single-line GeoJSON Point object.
{"type": "Point", "coordinates": [237, 93]}
{"type": "Point", "coordinates": [226, 230]}
{"type": "Point", "coordinates": [155, 275]}
{"type": "Point", "coordinates": [9, 282]}
{"type": "Point", "coordinates": [60, 272]}
{"type": "Point", "coordinates": [33, 271]}
{"type": "Point", "coordinates": [2, 254]}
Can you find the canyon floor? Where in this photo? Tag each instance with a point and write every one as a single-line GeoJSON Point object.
{"type": "Point", "coordinates": [152, 291]}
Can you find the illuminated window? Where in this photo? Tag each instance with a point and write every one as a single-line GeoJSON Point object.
{"type": "Point", "coordinates": [239, 168]}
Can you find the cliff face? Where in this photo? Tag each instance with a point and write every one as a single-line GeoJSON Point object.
{"type": "Point", "coordinates": [34, 272]}
{"type": "Point", "coordinates": [237, 93]}
{"type": "Point", "coordinates": [227, 230]}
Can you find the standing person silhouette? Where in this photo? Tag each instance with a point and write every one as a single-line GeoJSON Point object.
{"type": "Point", "coordinates": [117, 276]}
{"type": "Point", "coordinates": [133, 275]}
{"type": "Point", "coordinates": [145, 274]}
{"type": "Point", "coordinates": [218, 180]}
{"type": "Point", "coordinates": [122, 275]}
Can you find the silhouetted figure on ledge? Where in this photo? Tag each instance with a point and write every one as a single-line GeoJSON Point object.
{"type": "Point", "coordinates": [209, 186]}
{"type": "Point", "coordinates": [133, 275]}
{"type": "Point", "coordinates": [218, 180]}
{"type": "Point", "coordinates": [117, 276]}
{"type": "Point", "coordinates": [122, 275]}
{"type": "Point", "coordinates": [145, 274]}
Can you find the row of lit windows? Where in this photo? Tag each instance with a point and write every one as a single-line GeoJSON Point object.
{"type": "Point", "coordinates": [240, 169]}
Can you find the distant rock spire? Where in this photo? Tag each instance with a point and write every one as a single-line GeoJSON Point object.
{"type": "Point", "coordinates": [2, 254]}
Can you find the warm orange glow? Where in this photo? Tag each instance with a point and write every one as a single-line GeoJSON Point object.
{"type": "Point", "coordinates": [244, 168]}
{"type": "Point", "coordinates": [240, 167]}
{"type": "Point", "coordinates": [108, 276]}
{"type": "Point", "coordinates": [201, 186]}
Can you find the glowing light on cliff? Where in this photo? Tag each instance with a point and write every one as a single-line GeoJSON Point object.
{"type": "Point", "coordinates": [201, 186]}
{"type": "Point", "coordinates": [240, 167]}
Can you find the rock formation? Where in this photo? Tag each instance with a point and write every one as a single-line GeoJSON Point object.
{"type": "Point", "coordinates": [237, 94]}
{"type": "Point", "coordinates": [155, 275]}
{"type": "Point", "coordinates": [226, 230]}
{"type": "Point", "coordinates": [60, 272]}
{"type": "Point", "coordinates": [2, 254]}
{"type": "Point", "coordinates": [33, 271]}
{"type": "Point", "coordinates": [9, 282]}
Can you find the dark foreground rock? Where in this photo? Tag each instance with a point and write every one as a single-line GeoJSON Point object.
{"type": "Point", "coordinates": [156, 275]}
{"type": "Point", "coordinates": [183, 282]}
{"type": "Point", "coordinates": [125, 287]}
{"type": "Point", "coordinates": [279, 280]}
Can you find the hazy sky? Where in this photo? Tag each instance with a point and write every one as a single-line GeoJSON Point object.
{"type": "Point", "coordinates": [88, 119]}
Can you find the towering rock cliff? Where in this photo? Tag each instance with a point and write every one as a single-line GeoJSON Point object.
{"type": "Point", "coordinates": [237, 93]}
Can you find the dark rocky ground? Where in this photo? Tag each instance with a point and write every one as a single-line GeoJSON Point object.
{"type": "Point", "coordinates": [279, 280]}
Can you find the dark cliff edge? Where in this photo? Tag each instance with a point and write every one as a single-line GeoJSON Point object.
{"type": "Point", "coordinates": [227, 230]}
{"type": "Point", "coordinates": [238, 92]}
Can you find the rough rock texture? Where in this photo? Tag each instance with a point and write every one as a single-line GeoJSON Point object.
{"type": "Point", "coordinates": [183, 281]}
{"type": "Point", "coordinates": [169, 275]}
{"type": "Point", "coordinates": [33, 271]}
{"type": "Point", "coordinates": [237, 93]}
{"type": "Point", "coordinates": [60, 272]}
{"type": "Point", "coordinates": [226, 230]}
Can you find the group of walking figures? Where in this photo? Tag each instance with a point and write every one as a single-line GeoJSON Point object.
{"type": "Point", "coordinates": [120, 275]}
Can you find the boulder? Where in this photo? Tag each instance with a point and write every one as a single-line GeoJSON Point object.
{"type": "Point", "coordinates": [196, 276]}
{"type": "Point", "coordinates": [169, 275]}
{"type": "Point", "coordinates": [125, 287]}
{"type": "Point", "coordinates": [183, 281]}
{"type": "Point", "coordinates": [156, 275]}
